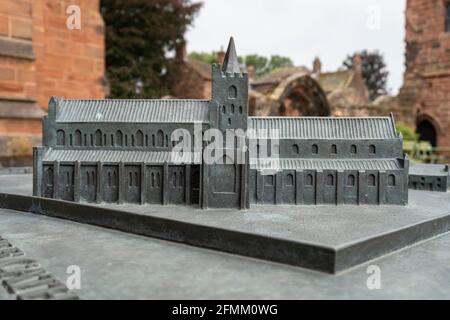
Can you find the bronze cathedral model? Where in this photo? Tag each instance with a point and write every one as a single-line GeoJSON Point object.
{"type": "Point", "coordinates": [122, 151]}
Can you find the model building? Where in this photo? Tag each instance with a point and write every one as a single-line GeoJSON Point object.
{"type": "Point", "coordinates": [122, 151]}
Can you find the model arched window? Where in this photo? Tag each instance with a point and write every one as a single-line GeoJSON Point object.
{"type": "Point", "coordinates": [240, 109]}
{"type": "Point", "coordinates": [119, 138]}
{"type": "Point", "coordinates": [309, 180]}
{"type": "Point", "coordinates": [333, 149]}
{"type": "Point", "coordinates": [232, 92]}
{"type": "Point", "coordinates": [391, 180]}
{"type": "Point", "coordinates": [330, 180]}
{"type": "Point", "coordinates": [160, 139]}
{"type": "Point", "coordinates": [372, 149]}
{"type": "Point", "coordinates": [98, 138]}
{"type": "Point", "coordinates": [353, 149]}
{"type": "Point", "coordinates": [290, 180]}
{"type": "Point", "coordinates": [60, 138]}
{"type": "Point", "coordinates": [232, 108]}
{"type": "Point", "coordinates": [224, 109]}
{"type": "Point", "coordinates": [77, 138]}
{"type": "Point", "coordinates": [351, 180]}
{"type": "Point", "coordinates": [49, 175]}
{"type": "Point", "coordinates": [371, 180]}
{"type": "Point", "coordinates": [296, 149]}
{"type": "Point", "coordinates": [315, 149]}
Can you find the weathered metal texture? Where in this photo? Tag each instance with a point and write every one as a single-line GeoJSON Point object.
{"type": "Point", "coordinates": [25, 279]}
{"type": "Point", "coordinates": [326, 164]}
{"type": "Point", "coordinates": [121, 151]}
{"type": "Point", "coordinates": [326, 127]}
{"type": "Point", "coordinates": [281, 234]}
{"type": "Point", "coordinates": [430, 177]}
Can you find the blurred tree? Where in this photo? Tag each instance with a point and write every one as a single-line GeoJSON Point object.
{"type": "Point", "coordinates": [139, 36]}
{"type": "Point", "coordinates": [374, 72]}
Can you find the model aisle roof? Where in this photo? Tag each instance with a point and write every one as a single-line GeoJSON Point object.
{"type": "Point", "coordinates": [105, 156]}
{"type": "Point", "coordinates": [140, 111]}
{"type": "Point", "coordinates": [323, 127]}
{"type": "Point", "coordinates": [324, 164]}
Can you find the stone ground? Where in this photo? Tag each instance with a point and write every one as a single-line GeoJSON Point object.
{"type": "Point", "coordinates": [116, 265]}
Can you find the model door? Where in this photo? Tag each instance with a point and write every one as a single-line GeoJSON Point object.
{"type": "Point", "coordinates": [132, 184]}
{"type": "Point", "coordinates": [110, 183]}
{"type": "Point", "coordinates": [88, 188]}
{"type": "Point", "coordinates": [155, 184]}
{"type": "Point", "coordinates": [65, 182]}
{"type": "Point", "coordinates": [177, 185]}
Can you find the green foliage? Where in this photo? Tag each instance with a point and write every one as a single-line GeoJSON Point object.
{"type": "Point", "coordinates": [407, 132]}
{"type": "Point", "coordinates": [263, 65]}
{"type": "Point", "coordinates": [205, 57]}
{"type": "Point", "coordinates": [374, 72]}
{"type": "Point", "coordinates": [139, 35]}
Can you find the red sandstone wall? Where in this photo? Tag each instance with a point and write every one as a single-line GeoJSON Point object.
{"type": "Point", "coordinates": [53, 60]}
{"type": "Point", "coordinates": [426, 90]}
{"type": "Point", "coordinates": [70, 63]}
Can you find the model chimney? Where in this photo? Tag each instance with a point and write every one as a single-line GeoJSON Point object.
{"type": "Point", "coordinates": [317, 65]}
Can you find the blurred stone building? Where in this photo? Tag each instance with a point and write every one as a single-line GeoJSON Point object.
{"type": "Point", "coordinates": [425, 95]}
{"type": "Point", "coordinates": [40, 57]}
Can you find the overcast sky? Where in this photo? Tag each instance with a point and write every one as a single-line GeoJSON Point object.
{"type": "Point", "coordinates": [303, 29]}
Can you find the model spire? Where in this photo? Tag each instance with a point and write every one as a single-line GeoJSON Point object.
{"type": "Point", "coordinates": [231, 63]}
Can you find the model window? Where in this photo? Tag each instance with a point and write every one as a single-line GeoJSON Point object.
{"type": "Point", "coordinates": [353, 149]}
{"type": "Point", "coordinates": [309, 180]}
{"type": "Point", "coordinates": [240, 109]}
{"type": "Point", "coordinates": [269, 181]}
{"type": "Point", "coordinates": [174, 179]}
{"type": "Point", "coordinates": [315, 149]}
{"type": "Point", "coordinates": [232, 92]}
{"type": "Point", "coordinates": [232, 108]}
{"type": "Point", "coordinates": [130, 179]}
{"type": "Point", "coordinates": [119, 138]}
{"type": "Point", "coordinates": [160, 139]}
{"type": "Point", "coordinates": [391, 180]}
{"type": "Point", "coordinates": [77, 138]}
{"type": "Point", "coordinates": [98, 138]}
{"type": "Point", "coordinates": [333, 149]}
{"type": "Point", "coordinates": [351, 180]}
{"type": "Point", "coordinates": [49, 176]}
{"type": "Point", "coordinates": [60, 138]}
{"type": "Point", "coordinates": [296, 149]}
{"type": "Point", "coordinates": [447, 17]}
{"type": "Point", "coordinates": [224, 109]}
{"type": "Point", "coordinates": [372, 149]}
{"type": "Point", "coordinates": [139, 138]}
{"type": "Point", "coordinates": [330, 180]}
{"type": "Point", "coordinates": [371, 179]}
{"type": "Point", "coordinates": [290, 180]}
{"type": "Point", "coordinates": [229, 121]}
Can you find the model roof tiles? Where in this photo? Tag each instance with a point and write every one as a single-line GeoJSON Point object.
{"type": "Point", "coordinates": [325, 164]}
{"type": "Point", "coordinates": [137, 111]}
{"type": "Point", "coordinates": [323, 128]}
{"type": "Point", "coordinates": [105, 156]}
